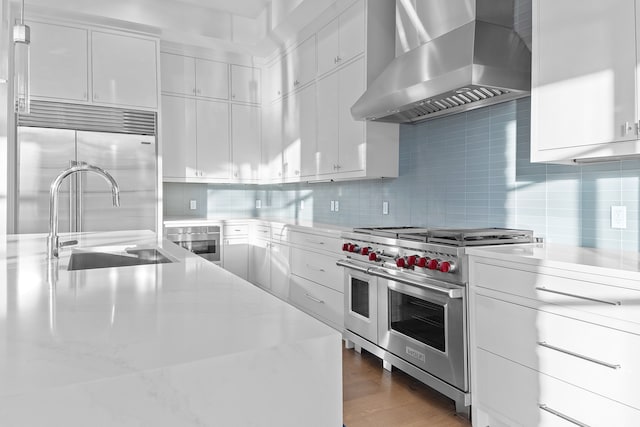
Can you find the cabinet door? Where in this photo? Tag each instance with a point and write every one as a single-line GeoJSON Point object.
{"type": "Point", "coordinates": [178, 74]}
{"type": "Point", "coordinates": [245, 84]}
{"type": "Point", "coordinates": [178, 137]}
{"type": "Point", "coordinates": [271, 164]}
{"type": "Point", "coordinates": [260, 264]}
{"type": "Point", "coordinates": [584, 77]}
{"type": "Point", "coordinates": [328, 46]}
{"type": "Point", "coordinates": [280, 270]}
{"type": "Point", "coordinates": [59, 62]}
{"type": "Point", "coordinates": [352, 32]}
{"type": "Point", "coordinates": [352, 150]}
{"type": "Point", "coordinates": [235, 255]}
{"type": "Point", "coordinates": [245, 139]}
{"type": "Point", "coordinates": [275, 76]}
{"type": "Point", "coordinates": [212, 79]}
{"type": "Point", "coordinates": [124, 70]}
{"type": "Point", "coordinates": [213, 139]}
{"type": "Point", "coordinates": [301, 64]}
{"type": "Point", "coordinates": [328, 134]}
{"type": "Point", "coordinates": [308, 146]}
{"type": "Point", "coordinates": [291, 139]}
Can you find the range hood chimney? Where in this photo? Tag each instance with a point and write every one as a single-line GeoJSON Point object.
{"type": "Point", "coordinates": [467, 56]}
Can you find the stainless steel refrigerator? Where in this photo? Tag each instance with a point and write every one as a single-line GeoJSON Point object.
{"type": "Point", "coordinates": [85, 202]}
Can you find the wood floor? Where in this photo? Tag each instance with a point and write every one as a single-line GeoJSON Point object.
{"type": "Point", "coordinates": [374, 397]}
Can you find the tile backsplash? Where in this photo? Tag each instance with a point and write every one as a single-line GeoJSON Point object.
{"type": "Point", "coordinates": [467, 170]}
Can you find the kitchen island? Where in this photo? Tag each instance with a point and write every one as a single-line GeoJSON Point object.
{"type": "Point", "coordinates": [173, 344]}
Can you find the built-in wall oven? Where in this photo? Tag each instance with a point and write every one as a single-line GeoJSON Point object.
{"type": "Point", "coordinates": [406, 300]}
{"type": "Point", "coordinates": [201, 240]}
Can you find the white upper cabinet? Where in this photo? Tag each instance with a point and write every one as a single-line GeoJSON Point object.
{"type": "Point", "coordinates": [301, 65]}
{"type": "Point", "coordinates": [185, 75]}
{"type": "Point", "coordinates": [213, 139]}
{"type": "Point", "coordinates": [275, 82]}
{"type": "Point", "coordinates": [308, 131]}
{"type": "Point", "coordinates": [352, 148]}
{"type": "Point", "coordinates": [342, 39]}
{"type": "Point", "coordinates": [328, 117]}
{"type": "Point", "coordinates": [245, 139]}
{"type": "Point", "coordinates": [59, 62]}
{"type": "Point", "coordinates": [584, 85]}
{"type": "Point", "coordinates": [83, 65]}
{"type": "Point", "coordinates": [245, 84]}
{"type": "Point", "coordinates": [179, 142]}
{"type": "Point", "coordinates": [271, 164]}
{"type": "Point", "coordinates": [124, 70]}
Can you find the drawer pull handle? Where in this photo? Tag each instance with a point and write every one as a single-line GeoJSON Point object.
{"type": "Point", "coordinates": [311, 267]}
{"type": "Point", "coordinates": [312, 298]}
{"type": "Point", "coordinates": [316, 242]}
{"type": "Point", "coordinates": [579, 356]}
{"type": "Point", "coordinates": [543, 289]}
{"type": "Point", "coordinates": [561, 415]}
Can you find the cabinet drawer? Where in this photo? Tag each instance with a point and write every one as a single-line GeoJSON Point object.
{"type": "Point", "coordinates": [593, 357]}
{"type": "Point", "coordinates": [314, 241]}
{"type": "Point", "coordinates": [518, 393]}
{"type": "Point", "coordinates": [235, 230]}
{"type": "Point", "coordinates": [318, 268]}
{"type": "Point", "coordinates": [317, 299]}
{"type": "Point", "coordinates": [260, 231]}
{"type": "Point", "coordinates": [597, 298]}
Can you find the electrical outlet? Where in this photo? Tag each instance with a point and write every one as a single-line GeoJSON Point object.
{"type": "Point", "coordinates": [619, 217]}
{"type": "Point", "coordinates": [258, 204]}
{"type": "Point", "coordinates": [333, 206]}
{"type": "Point", "coordinates": [193, 205]}
{"type": "Point", "coordinates": [337, 205]}
{"type": "Point", "coordinates": [301, 205]}
{"type": "Point", "coordinates": [385, 208]}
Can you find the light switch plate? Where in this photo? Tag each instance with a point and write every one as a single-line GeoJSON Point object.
{"type": "Point", "coordinates": [193, 205]}
{"type": "Point", "coordinates": [385, 208]}
{"type": "Point", "coordinates": [333, 206]}
{"type": "Point", "coordinates": [258, 203]}
{"type": "Point", "coordinates": [337, 205]}
{"type": "Point", "coordinates": [619, 217]}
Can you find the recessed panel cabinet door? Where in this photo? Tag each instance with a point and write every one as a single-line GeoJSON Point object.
{"type": "Point", "coordinates": [271, 164]}
{"type": "Point", "coordinates": [351, 32]}
{"type": "Point", "coordinates": [584, 73]}
{"type": "Point", "coordinates": [308, 139]}
{"type": "Point", "coordinates": [178, 137]}
{"type": "Point", "coordinates": [352, 152]}
{"type": "Point", "coordinates": [328, 46]}
{"type": "Point", "coordinates": [328, 134]}
{"type": "Point", "coordinates": [178, 74]}
{"type": "Point", "coordinates": [212, 79]}
{"type": "Point", "coordinates": [124, 70]}
{"type": "Point", "coordinates": [59, 66]}
{"type": "Point", "coordinates": [245, 84]}
{"type": "Point", "coordinates": [213, 158]}
{"type": "Point", "coordinates": [245, 140]}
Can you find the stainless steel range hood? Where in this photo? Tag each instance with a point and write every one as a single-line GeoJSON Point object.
{"type": "Point", "coordinates": [468, 56]}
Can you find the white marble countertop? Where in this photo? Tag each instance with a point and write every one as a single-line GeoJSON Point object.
{"type": "Point", "coordinates": [612, 263]}
{"type": "Point", "coordinates": [159, 345]}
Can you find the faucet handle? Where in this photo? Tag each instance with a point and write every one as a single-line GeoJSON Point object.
{"type": "Point", "coordinates": [68, 243]}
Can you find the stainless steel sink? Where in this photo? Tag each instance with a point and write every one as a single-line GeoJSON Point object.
{"type": "Point", "coordinates": [86, 259]}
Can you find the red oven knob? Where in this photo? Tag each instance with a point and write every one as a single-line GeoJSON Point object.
{"type": "Point", "coordinates": [364, 251]}
{"type": "Point", "coordinates": [432, 264]}
{"type": "Point", "coordinates": [400, 263]}
{"type": "Point", "coordinates": [373, 256]}
{"type": "Point", "coordinates": [422, 262]}
{"type": "Point", "coordinates": [345, 247]}
{"type": "Point", "coordinates": [447, 267]}
{"type": "Point", "coordinates": [351, 247]}
{"type": "Point", "coordinates": [411, 261]}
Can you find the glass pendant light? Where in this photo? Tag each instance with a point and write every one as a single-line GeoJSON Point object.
{"type": "Point", "coordinates": [21, 60]}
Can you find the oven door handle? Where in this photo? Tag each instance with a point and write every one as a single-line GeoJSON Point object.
{"type": "Point", "coordinates": [451, 293]}
{"type": "Point", "coordinates": [347, 264]}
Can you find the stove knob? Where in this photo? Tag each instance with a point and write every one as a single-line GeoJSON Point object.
{"type": "Point", "coordinates": [432, 264]}
{"type": "Point", "coordinates": [411, 261]}
{"type": "Point", "coordinates": [345, 247]}
{"type": "Point", "coordinates": [400, 263]}
{"type": "Point", "coordinates": [364, 251]}
{"type": "Point", "coordinates": [422, 262]}
{"type": "Point", "coordinates": [356, 249]}
{"type": "Point", "coordinates": [447, 267]}
{"type": "Point", "coordinates": [373, 256]}
{"type": "Point", "coordinates": [352, 247]}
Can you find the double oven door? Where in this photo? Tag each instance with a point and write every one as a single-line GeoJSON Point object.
{"type": "Point", "coordinates": [422, 321]}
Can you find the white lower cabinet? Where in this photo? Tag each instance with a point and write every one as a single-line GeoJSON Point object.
{"type": "Point", "coordinates": [260, 263]}
{"type": "Point", "coordinates": [280, 270]}
{"type": "Point", "coordinates": [317, 300]}
{"type": "Point", "coordinates": [235, 253]}
{"type": "Point", "coordinates": [551, 347]}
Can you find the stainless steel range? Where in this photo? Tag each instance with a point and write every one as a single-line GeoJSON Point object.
{"type": "Point", "coordinates": [406, 299]}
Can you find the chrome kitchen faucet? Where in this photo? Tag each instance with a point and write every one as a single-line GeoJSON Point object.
{"type": "Point", "coordinates": [53, 243]}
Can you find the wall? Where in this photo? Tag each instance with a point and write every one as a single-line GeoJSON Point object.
{"type": "Point", "coordinates": [466, 170]}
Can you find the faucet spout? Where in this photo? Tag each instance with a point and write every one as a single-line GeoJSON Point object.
{"type": "Point", "coordinates": [53, 242]}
